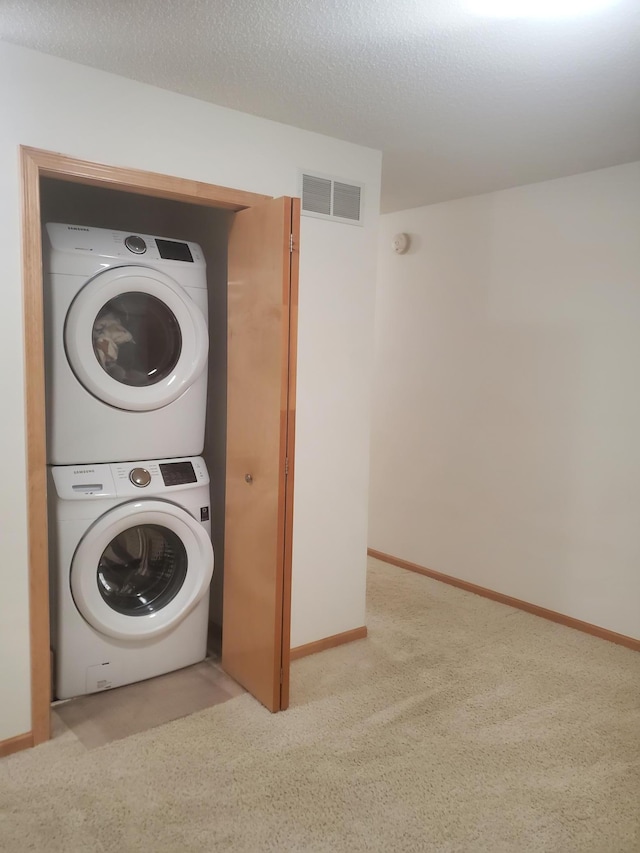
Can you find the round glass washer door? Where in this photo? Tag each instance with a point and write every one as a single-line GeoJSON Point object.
{"type": "Point", "coordinates": [140, 569]}
{"type": "Point", "coordinates": [135, 339]}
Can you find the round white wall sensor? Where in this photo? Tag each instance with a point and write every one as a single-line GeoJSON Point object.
{"type": "Point", "coordinates": [400, 243]}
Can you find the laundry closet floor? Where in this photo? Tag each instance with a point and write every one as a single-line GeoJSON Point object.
{"type": "Point", "coordinates": [101, 718]}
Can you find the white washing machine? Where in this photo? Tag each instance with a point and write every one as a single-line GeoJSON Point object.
{"type": "Point", "coordinates": [131, 561]}
{"type": "Point", "coordinates": [126, 343]}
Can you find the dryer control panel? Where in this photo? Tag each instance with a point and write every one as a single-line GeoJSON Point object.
{"type": "Point", "coordinates": [122, 244]}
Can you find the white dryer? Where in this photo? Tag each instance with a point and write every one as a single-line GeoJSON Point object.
{"type": "Point", "coordinates": [126, 343]}
{"type": "Point", "coordinates": [131, 561]}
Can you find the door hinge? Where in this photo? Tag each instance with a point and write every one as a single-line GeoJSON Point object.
{"type": "Point", "coordinates": [281, 676]}
{"type": "Point", "coordinates": [290, 242]}
{"type": "Point", "coordinates": [286, 467]}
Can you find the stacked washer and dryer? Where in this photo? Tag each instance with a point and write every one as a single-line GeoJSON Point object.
{"type": "Point", "coordinates": [126, 346]}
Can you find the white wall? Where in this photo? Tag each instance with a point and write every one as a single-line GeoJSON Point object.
{"type": "Point", "coordinates": [60, 106]}
{"type": "Point", "coordinates": [506, 429]}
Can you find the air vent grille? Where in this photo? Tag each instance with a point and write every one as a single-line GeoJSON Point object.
{"type": "Point", "coordinates": [329, 198]}
{"type": "Point", "coordinates": [346, 201]}
{"type": "Point", "coordinates": [316, 195]}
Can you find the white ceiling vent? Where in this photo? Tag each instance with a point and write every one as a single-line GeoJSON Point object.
{"type": "Point", "coordinates": [329, 198]}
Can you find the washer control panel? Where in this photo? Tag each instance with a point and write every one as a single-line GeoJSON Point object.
{"type": "Point", "coordinates": [158, 476]}
{"type": "Point", "coordinates": [127, 479]}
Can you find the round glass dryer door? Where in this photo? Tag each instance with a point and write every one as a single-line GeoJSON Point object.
{"type": "Point", "coordinates": [135, 339]}
{"type": "Point", "coordinates": [140, 569]}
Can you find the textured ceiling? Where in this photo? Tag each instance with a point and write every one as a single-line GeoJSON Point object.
{"type": "Point", "coordinates": [458, 104]}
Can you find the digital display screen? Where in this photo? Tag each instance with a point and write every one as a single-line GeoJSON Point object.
{"type": "Point", "coordinates": [177, 473]}
{"type": "Point", "coordinates": [173, 251]}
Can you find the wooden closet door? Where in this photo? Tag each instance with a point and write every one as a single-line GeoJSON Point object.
{"type": "Point", "coordinates": [262, 321]}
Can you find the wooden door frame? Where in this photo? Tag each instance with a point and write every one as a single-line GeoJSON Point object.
{"type": "Point", "coordinates": [290, 371]}
{"type": "Point", "coordinates": [35, 164]}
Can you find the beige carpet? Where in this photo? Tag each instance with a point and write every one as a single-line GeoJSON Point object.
{"type": "Point", "coordinates": [458, 725]}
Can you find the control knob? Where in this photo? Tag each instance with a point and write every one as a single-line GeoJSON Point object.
{"type": "Point", "coordinates": [135, 244]}
{"type": "Point", "coordinates": [140, 477]}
